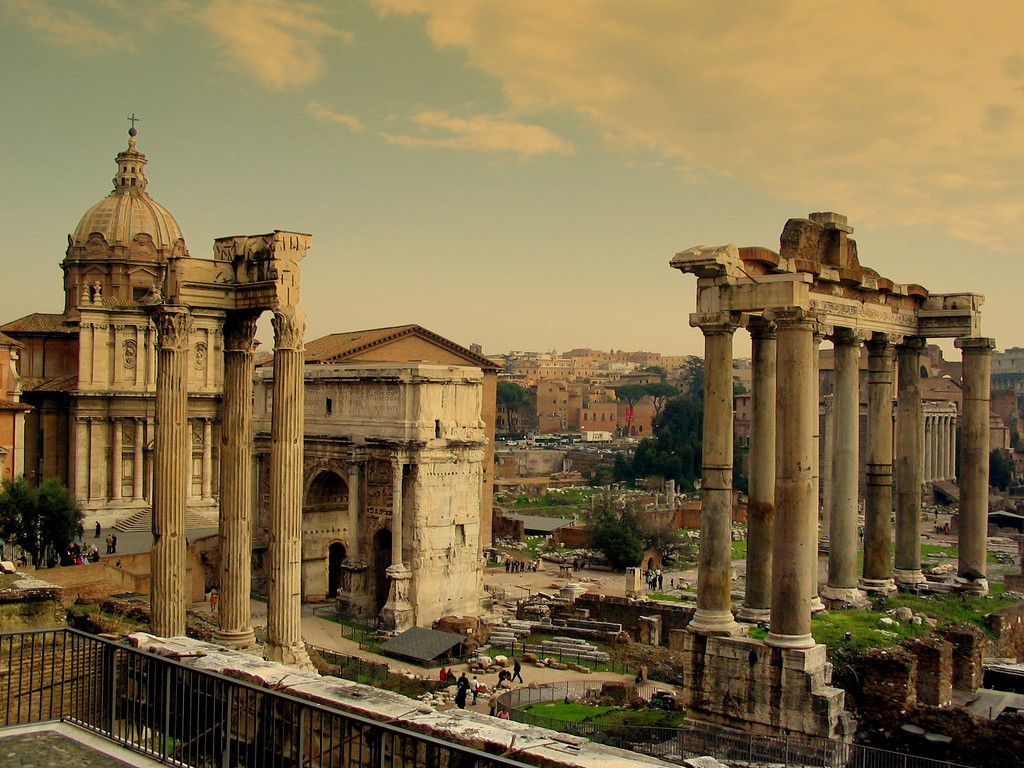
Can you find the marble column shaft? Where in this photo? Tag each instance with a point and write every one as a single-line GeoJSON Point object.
{"type": "Point", "coordinates": [907, 478]}
{"type": "Point", "coordinates": [284, 609]}
{"type": "Point", "coordinates": [170, 473]}
{"type": "Point", "coordinates": [796, 519]}
{"type": "Point", "coordinates": [353, 506]}
{"type": "Point", "coordinates": [878, 469]}
{"type": "Point", "coordinates": [757, 597]}
{"type": "Point", "coordinates": [236, 503]}
{"type": "Point", "coordinates": [207, 482]}
{"type": "Point", "coordinates": [138, 472]}
{"type": "Point", "coordinates": [974, 463]}
{"type": "Point", "coordinates": [714, 564]}
{"type": "Point", "coordinates": [845, 470]}
{"type": "Point", "coordinates": [397, 518]}
{"type": "Point", "coordinates": [115, 458]}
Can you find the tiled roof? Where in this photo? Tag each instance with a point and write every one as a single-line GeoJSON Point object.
{"type": "Point", "coordinates": [57, 384]}
{"type": "Point", "coordinates": [12, 405]}
{"type": "Point", "coordinates": [8, 341]}
{"type": "Point", "coordinates": [339, 347]}
{"type": "Point", "coordinates": [41, 322]}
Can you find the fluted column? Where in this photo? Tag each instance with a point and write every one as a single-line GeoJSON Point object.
{"type": "Point", "coordinates": [816, 603]}
{"type": "Point", "coordinates": [943, 447]}
{"type": "Point", "coordinates": [115, 459]}
{"type": "Point", "coordinates": [845, 472]}
{"type": "Point", "coordinates": [878, 493]}
{"type": "Point", "coordinates": [137, 467]}
{"type": "Point", "coordinates": [170, 473]}
{"type": "Point", "coordinates": [796, 519]}
{"type": "Point", "coordinates": [234, 618]}
{"type": "Point", "coordinates": [952, 446]}
{"type": "Point", "coordinates": [398, 613]}
{"type": "Point", "coordinates": [907, 479]}
{"type": "Point", "coordinates": [397, 512]}
{"type": "Point", "coordinates": [714, 564]}
{"type": "Point", "coordinates": [974, 460]}
{"type": "Point", "coordinates": [757, 597]}
{"type": "Point", "coordinates": [284, 609]}
{"type": "Point", "coordinates": [207, 458]}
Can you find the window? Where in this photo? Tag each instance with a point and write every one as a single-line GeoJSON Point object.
{"type": "Point", "coordinates": [138, 294]}
{"type": "Point", "coordinates": [460, 535]}
{"type": "Point", "coordinates": [330, 406]}
{"type": "Point", "coordinates": [437, 428]}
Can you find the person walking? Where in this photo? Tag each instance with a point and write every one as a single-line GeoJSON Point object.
{"type": "Point", "coordinates": [97, 530]}
{"type": "Point", "coordinates": [517, 671]}
{"type": "Point", "coordinates": [492, 703]}
{"type": "Point", "coordinates": [474, 686]}
{"type": "Point", "coordinates": [81, 531]}
{"type": "Point", "coordinates": [461, 690]}
{"type": "Point", "coordinates": [113, 544]}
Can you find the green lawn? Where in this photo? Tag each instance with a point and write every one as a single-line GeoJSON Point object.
{"type": "Point", "coordinates": [663, 596]}
{"type": "Point", "coordinates": [578, 713]}
{"type": "Point", "coordinates": [567, 713]}
{"type": "Point", "coordinates": [865, 632]}
{"type": "Point", "coordinates": [739, 549]}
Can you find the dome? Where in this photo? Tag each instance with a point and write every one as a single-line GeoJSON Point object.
{"type": "Point", "coordinates": [128, 210]}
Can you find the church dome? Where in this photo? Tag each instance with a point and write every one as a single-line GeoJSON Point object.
{"type": "Point", "coordinates": [128, 210]}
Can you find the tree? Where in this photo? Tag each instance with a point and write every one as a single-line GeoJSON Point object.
{"type": "Point", "coordinates": [617, 536]}
{"type": "Point", "coordinates": [630, 394]}
{"type": "Point", "coordinates": [659, 394]}
{"type": "Point", "coordinates": [43, 521]}
{"type": "Point", "coordinates": [511, 397]}
{"type": "Point", "coordinates": [1000, 469]}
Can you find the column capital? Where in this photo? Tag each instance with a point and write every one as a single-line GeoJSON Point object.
{"type": "Point", "coordinates": [852, 337]}
{"type": "Point", "coordinates": [359, 455]}
{"type": "Point", "coordinates": [975, 344]}
{"type": "Point", "coordinates": [717, 322]}
{"type": "Point", "coordinates": [760, 328]}
{"type": "Point", "coordinates": [240, 332]}
{"type": "Point", "coordinates": [289, 327]}
{"type": "Point", "coordinates": [795, 317]}
{"type": "Point", "coordinates": [914, 343]}
{"type": "Point", "coordinates": [173, 325]}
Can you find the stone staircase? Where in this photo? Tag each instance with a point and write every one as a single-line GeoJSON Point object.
{"type": "Point", "coordinates": [142, 521]}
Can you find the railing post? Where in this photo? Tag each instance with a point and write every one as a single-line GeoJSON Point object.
{"type": "Point", "coordinates": [225, 756]}
{"type": "Point", "coordinates": [166, 726]}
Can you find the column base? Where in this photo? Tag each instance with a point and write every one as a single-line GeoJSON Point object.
{"type": "Point", "coordinates": [239, 639]}
{"type": "Point", "coordinates": [753, 615]}
{"type": "Point", "coordinates": [714, 623]}
{"type": "Point", "coordinates": [909, 577]}
{"type": "Point", "coordinates": [292, 655]}
{"type": "Point", "coordinates": [844, 597]}
{"type": "Point", "coordinates": [398, 613]}
{"type": "Point", "coordinates": [878, 586]}
{"type": "Point", "coordinates": [816, 605]}
{"type": "Point", "coordinates": [972, 586]}
{"type": "Point", "coordinates": [789, 641]}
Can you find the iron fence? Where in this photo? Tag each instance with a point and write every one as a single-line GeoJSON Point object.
{"type": "Point", "coordinates": [187, 717]}
{"type": "Point", "coordinates": [563, 657]}
{"type": "Point", "coordinates": [353, 667]}
{"type": "Point", "coordinates": [693, 739]}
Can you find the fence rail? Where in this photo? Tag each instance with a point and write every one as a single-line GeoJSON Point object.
{"type": "Point", "coordinates": [353, 667]}
{"type": "Point", "coordinates": [187, 717]}
{"type": "Point", "coordinates": [693, 739]}
{"type": "Point", "coordinates": [518, 649]}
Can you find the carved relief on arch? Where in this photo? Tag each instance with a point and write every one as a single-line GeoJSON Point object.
{"type": "Point", "coordinates": [142, 247]}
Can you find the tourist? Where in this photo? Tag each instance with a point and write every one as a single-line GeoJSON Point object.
{"type": "Point", "coordinates": [113, 544]}
{"type": "Point", "coordinates": [492, 703]}
{"type": "Point", "coordinates": [517, 671]}
{"type": "Point", "coordinates": [443, 675]}
{"type": "Point", "coordinates": [661, 580]}
{"type": "Point", "coordinates": [503, 714]}
{"type": "Point", "coordinates": [474, 686]}
{"type": "Point", "coordinates": [97, 530]}
{"type": "Point", "coordinates": [461, 691]}
{"type": "Point", "coordinates": [109, 545]}
{"type": "Point", "coordinates": [81, 531]}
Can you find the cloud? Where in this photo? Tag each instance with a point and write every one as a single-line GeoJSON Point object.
{"type": "Point", "coordinates": [67, 28]}
{"type": "Point", "coordinates": [275, 41]}
{"type": "Point", "coordinates": [482, 133]}
{"type": "Point", "coordinates": [892, 113]}
{"type": "Point", "coordinates": [320, 112]}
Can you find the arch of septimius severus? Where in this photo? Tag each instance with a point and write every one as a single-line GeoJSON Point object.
{"type": "Point", "coordinates": [812, 289]}
{"type": "Point", "coordinates": [248, 275]}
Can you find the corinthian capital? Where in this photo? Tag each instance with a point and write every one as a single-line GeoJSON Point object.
{"type": "Point", "coordinates": [240, 332]}
{"type": "Point", "coordinates": [289, 327]}
{"type": "Point", "coordinates": [174, 326]}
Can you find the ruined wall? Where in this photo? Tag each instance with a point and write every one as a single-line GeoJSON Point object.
{"type": "Point", "coordinates": [622, 610]}
{"type": "Point", "coordinates": [1008, 627]}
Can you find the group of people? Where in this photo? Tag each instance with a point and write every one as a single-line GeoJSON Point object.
{"type": "Point", "coordinates": [464, 686]}
{"type": "Point", "coordinates": [520, 566]}
{"type": "Point", "coordinates": [655, 579]}
{"type": "Point", "coordinates": [81, 554]}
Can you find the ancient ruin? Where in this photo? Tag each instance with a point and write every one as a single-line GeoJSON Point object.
{"type": "Point", "coordinates": [812, 289]}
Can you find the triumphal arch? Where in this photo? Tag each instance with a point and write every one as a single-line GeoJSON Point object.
{"type": "Point", "coordinates": [247, 276]}
{"type": "Point", "coordinates": [815, 288]}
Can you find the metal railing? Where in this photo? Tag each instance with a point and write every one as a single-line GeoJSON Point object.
{"type": "Point", "coordinates": [694, 739]}
{"type": "Point", "coordinates": [353, 667]}
{"type": "Point", "coordinates": [518, 649]}
{"type": "Point", "coordinates": [182, 716]}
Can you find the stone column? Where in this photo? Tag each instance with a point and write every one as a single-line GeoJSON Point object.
{"type": "Point", "coordinates": [796, 519]}
{"type": "Point", "coordinates": [974, 459]}
{"type": "Point", "coordinates": [714, 564]}
{"type": "Point", "coordinates": [952, 447]}
{"type": "Point", "coordinates": [207, 458]}
{"type": "Point", "coordinates": [170, 473]}
{"type": "Point", "coordinates": [907, 479]}
{"type": "Point", "coordinates": [878, 502]}
{"type": "Point", "coordinates": [845, 471]}
{"type": "Point", "coordinates": [757, 598]}
{"type": "Point", "coordinates": [137, 466]}
{"type": "Point", "coordinates": [398, 614]}
{"type": "Point", "coordinates": [115, 459]}
{"type": "Point", "coordinates": [354, 485]}
{"type": "Point", "coordinates": [234, 619]}
{"type": "Point", "coordinates": [284, 547]}
{"type": "Point", "coordinates": [828, 411]}
{"type": "Point", "coordinates": [943, 447]}
{"type": "Point", "coordinates": [816, 604]}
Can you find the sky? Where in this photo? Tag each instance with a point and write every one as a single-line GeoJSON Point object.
{"type": "Point", "coordinates": [518, 174]}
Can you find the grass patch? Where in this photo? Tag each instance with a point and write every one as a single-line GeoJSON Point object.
{"type": "Point", "coordinates": [758, 633]}
{"type": "Point", "coordinates": [643, 718]}
{"type": "Point", "coordinates": [865, 631]}
{"type": "Point", "coordinates": [663, 596]}
{"type": "Point", "coordinates": [948, 609]}
{"type": "Point", "coordinates": [739, 549]}
{"type": "Point", "coordinates": [568, 713]}
{"type": "Point", "coordinates": [937, 550]}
